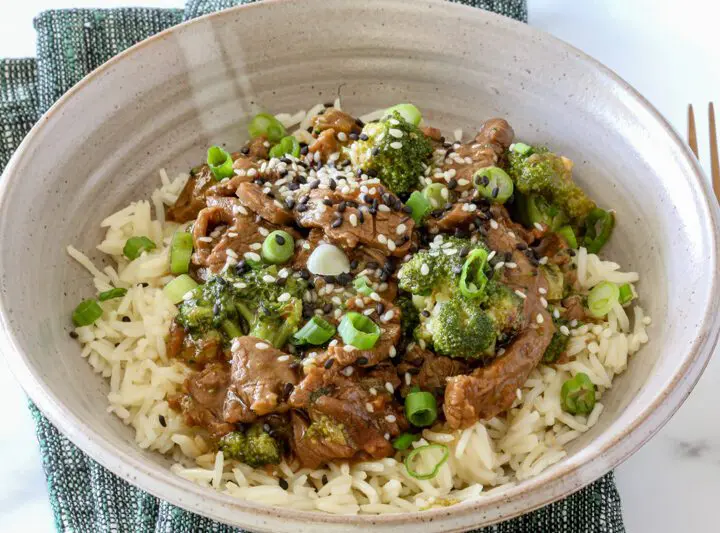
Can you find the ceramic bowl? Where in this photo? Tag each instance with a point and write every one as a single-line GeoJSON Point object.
{"type": "Point", "coordinates": [161, 103]}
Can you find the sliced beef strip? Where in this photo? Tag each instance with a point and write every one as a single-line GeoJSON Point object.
{"type": "Point", "coordinates": [574, 308]}
{"type": "Point", "coordinates": [196, 350]}
{"type": "Point", "coordinates": [360, 405]}
{"type": "Point", "coordinates": [484, 150]}
{"type": "Point", "coordinates": [202, 403]}
{"type": "Point", "coordinates": [261, 380]}
{"type": "Point", "coordinates": [326, 144]}
{"type": "Point", "coordinates": [457, 217]}
{"type": "Point", "coordinates": [253, 197]}
{"type": "Point", "coordinates": [491, 390]}
{"type": "Point", "coordinates": [337, 120]}
{"type": "Point", "coordinates": [389, 335]}
{"type": "Point", "coordinates": [258, 148]}
{"type": "Point", "coordinates": [427, 370]}
{"type": "Point", "coordinates": [374, 231]}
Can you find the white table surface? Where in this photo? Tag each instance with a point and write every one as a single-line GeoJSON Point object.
{"type": "Point", "coordinates": [670, 51]}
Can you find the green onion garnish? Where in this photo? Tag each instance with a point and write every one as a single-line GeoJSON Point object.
{"type": "Point", "coordinates": [404, 441]}
{"type": "Point", "coordinates": [136, 246]}
{"type": "Point", "coordinates": [267, 125]}
{"type": "Point", "coordinates": [472, 275]}
{"type": "Point", "coordinates": [602, 298]}
{"type": "Point", "coordinates": [433, 193]}
{"type": "Point", "coordinates": [494, 184]}
{"type": "Point", "coordinates": [181, 249]}
{"type": "Point", "coordinates": [231, 329]}
{"type": "Point", "coordinates": [436, 468]}
{"type": "Point", "coordinates": [220, 163]}
{"type": "Point", "coordinates": [409, 112]}
{"type": "Point", "coordinates": [316, 331]}
{"type": "Point", "coordinates": [599, 225]}
{"type": "Point", "coordinates": [359, 331]}
{"type": "Point", "coordinates": [117, 292]}
{"type": "Point", "coordinates": [626, 293]}
{"type": "Point", "coordinates": [567, 233]}
{"type": "Point", "coordinates": [419, 205]}
{"type": "Point", "coordinates": [179, 287]}
{"type": "Point", "coordinates": [522, 149]}
{"type": "Point", "coordinates": [577, 395]}
{"type": "Point", "coordinates": [362, 286]}
{"type": "Point", "coordinates": [421, 408]}
{"type": "Point", "coordinates": [278, 247]}
{"type": "Point", "coordinates": [287, 145]}
{"type": "Point", "coordinates": [86, 313]}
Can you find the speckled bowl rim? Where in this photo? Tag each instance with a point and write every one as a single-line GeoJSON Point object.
{"type": "Point", "coordinates": [545, 488]}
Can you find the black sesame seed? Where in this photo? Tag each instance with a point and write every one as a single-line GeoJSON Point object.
{"type": "Point", "coordinates": [162, 421]}
{"type": "Point", "coordinates": [329, 363]}
{"type": "Point", "coordinates": [495, 192]}
{"type": "Point", "coordinates": [360, 216]}
{"type": "Point", "coordinates": [283, 484]}
{"type": "Point", "coordinates": [384, 276]}
{"type": "Point", "coordinates": [332, 184]}
{"type": "Point", "coordinates": [144, 284]}
{"type": "Point", "coordinates": [327, 308]}
{"type": "Point", "coordinates": [362, 361]}
{"type": "Point", "coordinates": [302, 208]}
{"type": "Point", "coordinates": [305, 199]}
{"type": "Point", "coordinates": [73, 335]}
{"type": "Point", "coordinates": [303, 149]}
{"type": "Point", "coordinates": [293, 186]}
{"type": "Point", "coordinates": [485, 181]}
{"type": "Point", "coordinates": [521, 246]}
{"type": "Point", "coordinates": [371, 172]}
{"type": "Point", "coordinates": [126, 319]}
{"type": "Point", "coordinates": [282, 172]}
{"type": "Point", "coordinates": [324, 479]}
{"type": "Point", "coordinates": [359, 122]}
{"type": "Point", "coordinates": [330, 279]}
{"type": "Point", "coordinates": [341, 207]}
{"type": "Point", "coordinates": [304, 274]}
{"type": "Point", "coordinates": [465, 250]}
{"type": "Point", "coordinates": [287, 389]}
{"type": "Point", "coordinates": [508, 256]}
{"type": "Point", "coordinates": [327, 202]}
{"type": "Point", "coordinates": [407, 209]}
{"type": "Point", "coordinates": [290, 203]}
{"type": "Point", "coordinates": [315, 184]}
{"type": "Point", "coordinates": [309, 129]}
{"type": "Point", "coordinates": [372, 264]}
{"type": "Point", "coordinates": [353, 136]}
{"type": "Point", "coordinates": [245, 150]}
{"type": "Point", "coordinates": [413, 371]}
{"type": "Point", "coordinates": [425, 313]}
{"type": "Point", "coordinates": [344, 278]}
{"type": "Point", "coordinates": [280, 281]}
{"type": "Point", "coordinates": [337, 222]}
{"type": "Point", "coordinates": [452, 184]}
{"type": "Point", "coordinates": [328, 104]}
{"type": "Point", "coordinates": [375, 151]}
{"type": "Point", "coordinates": [353, 264]}
{"type": "Point", "coordinates": [363, 137]}
{"type": "Point", "coordinates": [380, 308]}
{"type": "Point", "coordinates": [279, 239]}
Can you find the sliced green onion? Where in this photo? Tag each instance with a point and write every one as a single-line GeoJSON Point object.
{"type": "Point", "coordinates": [179, 287]}
{"type": "Point", "coordinates": [567, 233]}
{"type": "Point", "coordinates": [599, 225]}
{"type": "Point", "coordinates": [602, 298]}
{"type": "Point", "coordinates": [577, 395]}
{"type": "Point", "coordinates": [626, 293]}
{"type": "Point", "coordinates": [220, 163]}
{"type": "Point", "coordinates": [362, 286]}
{"type": "Point", "coordinates": [231, 329]}
{"type": "Point", "coordinates": [278, 247]}
{"type": "Point", "coordinates": [522, 149]}
{"type": "Point", "coordinates": [404, 441]}
{"type": "Point", "coordinates": [494, 184]}
{"type": "Point", "coordinates": [436, 468]}
{"type": "Point", "coordinates": [267, 125]}
{"type": "Point", "coordinates": [287, 145]}
{"type": "Point", "coordinates": [316, 331]}
{"type": "Point", "coordinates": [435, 196]}
{"type": "Point", "coordinates": [136, 246]}
{"type": "Point", "coordinates": [409, 112]}
{"type": "Point", "coordinates": [181, 249]}
{"type": "Point", "coordinates": [86, 313]}
{"type": "Point", "coordinates": [117, 292]}
{"type": "Point", "coordinates": [419, 205]}
{"type": "Point", "coordinates": [359, 331]}
{"type": "Point", "coordinates": [421, 408]}
{"type": "Point", "coordinates": [472, 275]}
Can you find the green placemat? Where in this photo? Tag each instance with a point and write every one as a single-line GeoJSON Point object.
{"type": "Point", "coordinates": [84, 496]}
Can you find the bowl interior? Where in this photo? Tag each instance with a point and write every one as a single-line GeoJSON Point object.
{"type": "Point", "coordinates": [163, 103]}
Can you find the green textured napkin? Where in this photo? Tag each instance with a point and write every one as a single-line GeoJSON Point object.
{"type": "Point", "coordinates": [84, 496]}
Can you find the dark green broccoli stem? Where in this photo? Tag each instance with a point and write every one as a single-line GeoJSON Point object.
{"type": "Point", "coordinates": [410, 315]}
{"type": "Point", "coordinates": [275, 323]}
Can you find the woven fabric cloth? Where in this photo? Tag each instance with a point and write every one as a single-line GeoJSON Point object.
{"type": "Point", "coordinates": [84, 496]}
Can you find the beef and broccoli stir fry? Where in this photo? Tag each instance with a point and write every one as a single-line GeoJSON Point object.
{"type": "Point", "coordinates": [342, 288]}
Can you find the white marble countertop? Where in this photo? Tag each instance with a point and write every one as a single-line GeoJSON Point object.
{"type": "Point", "coordinates": [669, 50]}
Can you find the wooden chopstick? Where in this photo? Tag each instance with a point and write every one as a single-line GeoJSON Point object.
{"type": "Point", "coordinates": [714, 163]}
{"type": "Point", "coordinates": [692, 134]}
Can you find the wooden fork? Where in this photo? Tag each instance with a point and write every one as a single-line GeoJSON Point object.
{"type": "Point", "coordinates": [692, 141]}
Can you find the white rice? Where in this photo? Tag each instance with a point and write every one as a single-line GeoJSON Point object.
{"type": "Point", "coordinates": [491, 455]}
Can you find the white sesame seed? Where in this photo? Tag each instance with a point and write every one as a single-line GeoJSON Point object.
{"type": "Point", "coordinates": [333, 342]}
{"type": "Point", "coordinates": [574, 323]}
{"type": "Point", "coordinates": [647, 320]}
{"type": "Point", "coordinates": [342, 137]}
{"type": "Point", "coordinates": [373, 391]}
{"type": "Point", "coordinates": [348, 371]}
{"type": "Point", "coordinates": [306, 246]}
{"type": "Point", "coordinates": [389, 387]}
{"type": "Point", "coordinates": [255, 246]}
{"type": "Point", "coordinates": [232, 253]}
{"type": "Point", "coordinates": [284, 273]}
{"type": "Point", "coordinates": [369, 407]}
{"type": "Point", "coordinates": [493, 223]}
{"type": "Point", "coordinates": [261, 346]}
{"type": "Point", "coordinates": [556, 313]}
{"type": "Point", "coordinates": [499, 265]}
{"type": "Point", "coordinates": [267, 278]}
{"type": "Point", "coordinates": [205, 239]}
{"type": "Point", "coordinates": [278, 204]}
{"type": "Point", "coordinates": [252, 256]}
{"type": "Point", "coordinates": [284, 297]}
{"type": "Point", "coordinates": [392, 352]}
{"type": "Point", "coordinates": [396, 133]}
{"type": "Point", "coordinates": [252, 172]}
{"type": "Point", "coordinates": [491, 255]}
{"type": "Point", "coordinates": [368, 312]}
{"type": "Point", "coordinates": [511, 265]}
{"type": "Point", "coordinates": [283, 358]}
{"type": "Point", "coordinates": [382, 238]}
{"type": "Point", "coordinates": [539, 319]}
{"type": "Point", "coordinates": [520, 294]}
{"type": "Point", "coordinates": [538, 226]}
{"type": "Point", "coordinates": [542, 290]}
{"type": "Point", "coordinates": [388, 316]}
{"type": "Point", "coordinates": [240, 285]}
{"type": "Point", "coordinates": [543, 302]}
{"type": "Point", "coordinates": [239, 171]}
{"type": "Point", "coordinates": [402, 228]}
{"type": "Point", "coordinates": [375, 296]}
{"type": "Point", "coordinates": [462, 182]}
{"type": "Point", "coordinates": [348, 348]}
{"type": "Point", "coordinates": [391, 245]}
{"type": "Point", "coordinates": [353, 219]}
{"type": "Point", "coordinates": [543, 260]}
{"type": "Point", "coordinates": [408, 378]}
{"type": "Point", "coordinates": [424, 269]}
{"type": "Point", "coordinates": [336, 300]}
{"type": "Point", "coordinates": [391, 418]}
{"type": "Point", "coordinates": [387, 436]}
{"type": "Point", "coordinates": [397, 145]}
{"type": "Point", "coordinates": [384, 208]}
{"type": "Point", "coordinates": [266, 190]}
{"type": "Point", "coordinates": [564, 330]}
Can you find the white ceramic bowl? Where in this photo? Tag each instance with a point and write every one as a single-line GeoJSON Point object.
{"type": "Point", "coordinates": [164, 101]}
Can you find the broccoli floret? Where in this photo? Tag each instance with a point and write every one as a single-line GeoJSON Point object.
{"type": "Point", "coordinates": [240, 303]}
{"type": "Point", "coordinates": [549, 175]}
{"type": "Point", "coordinates": [327, 429]}
{"type": "Point", "coordinates": [276, 321]}
{"type": "Point", "coordinates": [410, 315]}
{"type": "Point", "coordinates": [398, 159]}
{"type": "Point", "coordinates": [558, 343]}
{"type": "Point", "coordinates": [555, 280]}
{"type": "Point", "coordinates": [504, 306]}
{"type": "Point", "coordinates": [461, 328]}
{"type": "Point", "coordinates": [255, 447]}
